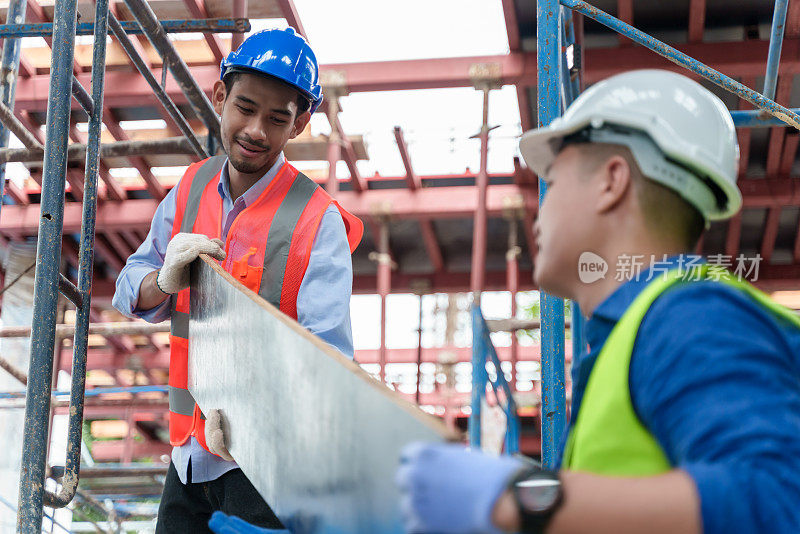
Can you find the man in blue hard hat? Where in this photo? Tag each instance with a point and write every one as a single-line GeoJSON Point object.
{"type": "Point", "coordinates": [272, 228]}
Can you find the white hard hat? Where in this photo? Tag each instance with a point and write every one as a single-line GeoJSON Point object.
{"type": "Point", "coordinates": [680, 134]}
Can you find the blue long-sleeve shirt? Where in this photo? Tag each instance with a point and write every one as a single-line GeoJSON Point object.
{"type": "Point", "coordinates": [323, 300]}
{"type": "Point", "coordinates": [716, 379]}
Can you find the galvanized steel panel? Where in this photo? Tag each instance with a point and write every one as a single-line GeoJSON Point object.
{"type": "Point", "coordinates": [318, 437]}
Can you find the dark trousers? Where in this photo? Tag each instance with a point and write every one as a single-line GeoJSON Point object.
{"type": "Point", "coordinates": [186, 508]}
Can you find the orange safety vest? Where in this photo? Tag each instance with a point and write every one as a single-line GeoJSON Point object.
{"type": "Point", "coordinates": [267, 249]}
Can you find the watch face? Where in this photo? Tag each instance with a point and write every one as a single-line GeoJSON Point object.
{"type": "Point", "coordinates": [538, 494]}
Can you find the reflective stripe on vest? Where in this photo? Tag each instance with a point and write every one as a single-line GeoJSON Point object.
{"type": "Point", "coordinates": [608, 438]}
{"type": "Point", "coordinates": [280, 234]}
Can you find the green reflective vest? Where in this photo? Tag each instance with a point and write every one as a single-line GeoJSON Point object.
{"type": "Point", "coordinates": [608, 438]}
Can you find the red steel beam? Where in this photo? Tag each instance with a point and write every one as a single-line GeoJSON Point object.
{"type": "Point", "coordinates": [198, 10]}
{"type": "Point", "coordinates": [462, 354]}
{"type": "Point", "coordinates": [625, 14]}
{"type": "Point", "coordinates": [102, 194]}
{"type": "Point", "coordinates": [292, 17]}
{"type": "Point", "coordinates": [153, 185]}
{"type": "Point", "coordinates": [431, 244]}
{"type": "Point", "coordinates": [525, 112]}
{"type": "Point", "coordinates": [414, 183]}
{"type": "Point", "coordinates": [411, 177]}
{"type": "Point", "coordinates": [775, 160]}
{"type": "Point", "coordinates": [384, 287]}
{"type": "Point", "coordinates": [37, 14]}
{"type": "Point", "coordinates": [480, 224]}
{"type": "Point", "coordinates": [697, 20]}
{"type": "Point", "coordinates": [733, 239]}
{"type": "Point", "coordinates": [451, 202]}
{"type": "Point", "coordinates": [348, 154]}
{"type": "Point", "coordinates": [735, 59]}
{"type": "Point", "coordinates": [793, 20]}
{"type": "Point", "coordinates": [19, 195]}
{"type": "Point", "coordinates": [796, 251]}
{"type": "Point", "coordinates": [108, 451]}
{"type": "Point", "coordinates": [512, 26]}
{"type": "Point", "coordinates": [120, 246]}
{"type": "Point", "coordinates": [118, 343]}
{"type": "Point", "coordinates": [238, 11]}
{"type": "Point", "coordinates": [443, 282]}
{"type": "Point", "coordinates": [789, 153]}
{"type": "Point", "coordinates": [107, 252]}
{"type": "Point", "coordinates": [512, 279]}
{"type": "Point", "coordinates": [771, 223]}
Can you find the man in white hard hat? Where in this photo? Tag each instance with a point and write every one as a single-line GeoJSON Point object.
{"type": "Point", "coordinates": [686, 403]}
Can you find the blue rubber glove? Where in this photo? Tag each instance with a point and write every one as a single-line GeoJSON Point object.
{"type": "Point", "coordinates": [230, 524]}
{"type": "Point", "coordinates": [449, 489]}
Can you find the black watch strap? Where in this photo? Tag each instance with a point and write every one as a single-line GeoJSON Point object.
{"type": "Point", "coordinates": [538, 495]}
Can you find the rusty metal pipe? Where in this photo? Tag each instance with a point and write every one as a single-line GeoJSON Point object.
{"type": "Point", "coordinates": [102, 329]}
{"type": "Point", "coordinates": [77, 152]}
{"type": "Point", "coordinates": [158, 38]}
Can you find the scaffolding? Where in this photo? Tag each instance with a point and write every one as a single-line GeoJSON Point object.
{"type": "Point", "coordinates": [558, 34]}
{"type": "Point", "coordinates": [55, 153]}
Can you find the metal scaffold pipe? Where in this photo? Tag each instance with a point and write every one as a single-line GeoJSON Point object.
{"type": "Point", "coordinates": [173, 61]}
{"type": "Point", "coordinates": [225, 25]}
{"type": "Point", "coordinates": [17, 128]}
{"type": "Point", "coordinates": [9, 67]}
{"type": "Point", "coordinates": [775, 46]}
{"type": "Point", "coordinates": [76, 152]}
{"type": "Point", "coordinates": [102, 329]}
{"type": "Point", "coordinates": [34, 452]}
{"type": "Point", "coordinates": [672, 54]}
{"type": "Point", "coordinates": [161, 94]}
{"type": "Point", "coordinates": [549, 57]}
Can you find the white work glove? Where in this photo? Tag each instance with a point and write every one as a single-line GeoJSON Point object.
{"type": "Point", "coordinates": [182, 250]}
{"type": "Point", "coordinates": [215, 435]}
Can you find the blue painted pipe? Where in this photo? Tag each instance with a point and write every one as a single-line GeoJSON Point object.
{"type": "Point", "coordinates": [482, 351]}
{"type": "Point", "coordinates": [548, 36]}
{"type": "Point", "coordinates": [510, 408]}
{"type": "Point", "coordinates": [775, 45]}
{"type": "Point", "coordinates": [479, 379]}
{"type": "Point", "coordinates": [679, 58]}
{"type": "Point", "coordinates": [45, 296]}
{"type": "Point", "coordinates": [86, 261]}
{"type": "Point", "coordinates": [94, 392]}
{"type": "Point", "coordinates": [44, 29]}
{"type": "Point", "coordinates": [755, 118]}
{"type": "Point", "coordinates": [9, 69]}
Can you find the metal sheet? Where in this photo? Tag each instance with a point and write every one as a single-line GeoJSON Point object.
{"type": "Point", "coordinates": [318, 437]}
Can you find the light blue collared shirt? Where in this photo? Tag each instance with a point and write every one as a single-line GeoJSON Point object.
{"type": "Point", "coordinates": [323, 301]}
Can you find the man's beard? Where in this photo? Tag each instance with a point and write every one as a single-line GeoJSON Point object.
{"type": "Point", "coordinates": [245, 167]}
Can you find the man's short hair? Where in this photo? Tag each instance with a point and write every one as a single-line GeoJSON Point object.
{"type": "Point", "coordinates": [303, 103]}
{"type": "Point", "coordinates": [665, 212]}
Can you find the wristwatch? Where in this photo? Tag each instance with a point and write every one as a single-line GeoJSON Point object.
{"type": "Point", "coordinates": [538, 494]}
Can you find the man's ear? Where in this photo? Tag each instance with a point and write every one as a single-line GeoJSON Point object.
{"type": "Point", "coordinates": [218, 96]}
{"type": "Point", "coordinates": [614, 183]}
{"type": "Point", "coordinates": [300, 124]}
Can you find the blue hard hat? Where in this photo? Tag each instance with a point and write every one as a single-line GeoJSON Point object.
{"type": "Point", "coordinates": [282, 54]}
